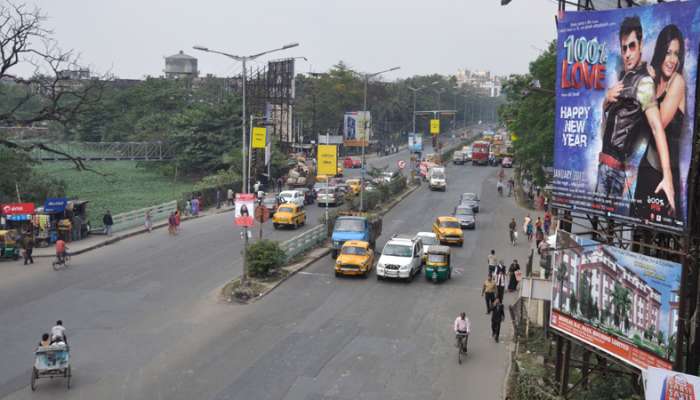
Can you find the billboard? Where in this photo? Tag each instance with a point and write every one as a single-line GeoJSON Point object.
{"type": "Point", "coordinates": [621, 302]}
{"type": "Point", "coordinates": [245, 207]}
{"type": "Point", "coordinates": [327, 159]}
{"type": "Point", "coordinates": [357, 128]}
{"type": "Point", "coordinates": [625, 111]}
{"type": "Point", "coordinates": [661, 384]}
{"type": "Point", "coordinates": [415, 142]}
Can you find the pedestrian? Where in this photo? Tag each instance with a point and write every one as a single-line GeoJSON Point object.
{"type": "Point", "coordinates": [108, 222]}
{"type": "Point", "coordinates": [256, 187]}
{"type": "Point", "coordinates": [488, 291]}
{"type": "Point", "coordinates": [511, 185]}
{"type": "Point", "coordinates": [492, 261]}
{"type": "Point", "coordinates": [177, 220]}
{"type": "Point", "coordinates": [218, 198]}
{"type": "Point", "coordinates": [171, 224]}
{"type": "Point", "coordinates": [542, 248]}
{"type": "Point", "coordinates": [497, 316]}
{"type": "Point", "coordinates": [148, 221]}
{"type": "Point", "coordinates": [538, 223]}
{"type": "Point", "coordinates": [528, 231]}
{"type": "Point", "coordinates": [525, 222]}
{"type": "Point", "coordinates": [539, 237]}
{"type": "Point", "coordinates": [512, 233]}
{"type": "Point", "coordinates": [195, 206]}
{"type": "Point", "coordinates": [229, 197]}
{"type": "Point", "coordinates": [547, 222]}
{"type": "Point", "coordinates": [28, 245]}
{"type": "Point", "coordinates": [515, 275]}
{"type": "Point", "coordinates": [200, 202]}
{"type": "Point", "coordinates": [188, 207]}
{"type": "Point", "coordinates": [500, 278]}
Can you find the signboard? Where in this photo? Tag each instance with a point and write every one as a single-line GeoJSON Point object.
{"type": "Point", "coordinates": [415, 142]}
{"type": "Point", "coordinates": [434, 126]}
{"type": "Point", "coordinates": [330, 139]}
{"type": "Point", "coordinates": [55, 205]}
{"type": "Point", "coordinates": [620, 302]}
{"type": "Point", "coordinates": [245, 207]}
{"type": "Point", "coordinates": [357, 128]}
{"type": "Point", "coordinates": [607, 158]}
{"type": "Point", "coordinates": [259, 137]}
{"type": "Point", "coordinates": [662, 384]}
{"type": "Point", "coordinates": [327, 159]}
{"type": "Point", "coordinates": [18, 209]}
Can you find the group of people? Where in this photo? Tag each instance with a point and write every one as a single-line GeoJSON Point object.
{"type": "Point", "coordinates": [57, 336]}
{"type": "Point", "coordinates": [174, 223]}
{"type": "Point", "coordinates": [538, 229]}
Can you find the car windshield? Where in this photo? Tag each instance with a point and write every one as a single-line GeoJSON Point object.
{"type": "Point", "coordinates": [269, 201]}
{"type": "Point", "coordinates": [437, 258]}
{"type": "Point", "coordinates": [353, 250]}
{"type": "Point", "coordinates": [286, 209]}
{"type": "Point", "coordinates": [326, 191]}
{"type": "Point", "coordinates": [449, 224]}
{"type": "Point", "coordinates": [350, 225]}
{"type": "Point", "coordinates": [397, 250]}
{"type": "Point", "coordinates": [438, 176]}
{"type": "Point", "coordinates": [464, 211]}
{"type": "Point", "coordinates": [428, 240]}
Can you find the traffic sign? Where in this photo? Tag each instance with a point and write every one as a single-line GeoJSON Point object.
{"type": "Point", "coordinates": [402, 164]}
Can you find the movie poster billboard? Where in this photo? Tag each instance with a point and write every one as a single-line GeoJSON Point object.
{"type": "Point", "coordinates": [661, 384]}
{"type": "Point", "coordinates": [620, 302]}
{"type": "Point", "coordinates": [357, 128]}
{"type": "Point", "coordinates": [245, 207]}
{"type": "Point", "coordinates": [624, 117]}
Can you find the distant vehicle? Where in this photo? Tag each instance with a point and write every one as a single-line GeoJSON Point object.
{"type": "Point", "coordinates": [466, 217]}
{"type": "Point", "coordinates": [318, 186]}
{"type": "Point", "coordinates": [437, 178]}
{"type": "Point", "coordinates": [289, 214]}
{"type": "Point", "coordinates": [331, 196]}
{"type": "Point", "coordinates": [480, 152]}
{"type": "Point", "coordinates": [292, 196]}
{"type": "Point", "coordinates": [470, 200]}
{"type": "Point", "coordinates": [309, 195]}
{"type": "Point", "coordinates": [355, 226]}
{"type": "Point", "coordinates": [271, 203]}
{"type": "Point", "coordinates": [350, 162]}
{"type": "Point", "coordinates": [356, 258]}
{"type": "Point", "coordinates": [507, 162]}
{"type": "Point", "coordinates": [402, 258]}
{"type": "Point", "coordinates": [459, 157]}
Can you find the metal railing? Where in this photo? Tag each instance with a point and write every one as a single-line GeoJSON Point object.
{"type": "Point", "coordinates": [131, 219]}
{"type": "Point", "coordinates": [304, 242]}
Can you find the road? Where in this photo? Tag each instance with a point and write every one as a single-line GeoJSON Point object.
{"type": "Point", "coordinates": [144, 321]}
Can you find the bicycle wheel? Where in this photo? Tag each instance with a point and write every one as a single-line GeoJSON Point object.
{"type": "Point", "coordinates": [56, 265]}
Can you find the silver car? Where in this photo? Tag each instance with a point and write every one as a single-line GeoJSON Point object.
{"type": "Point", "coordinates": [330, 196]}
{"type": "Point", "coordinates": [470, 200]}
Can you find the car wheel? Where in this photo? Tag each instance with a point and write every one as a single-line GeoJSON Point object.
{"type": "Point", "coordinates": [276, 226]}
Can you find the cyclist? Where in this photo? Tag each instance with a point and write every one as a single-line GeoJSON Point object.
{"type": "Point", "coordinates": [61, 249]}
{"type": "Point", "coordinates": [462, 328]}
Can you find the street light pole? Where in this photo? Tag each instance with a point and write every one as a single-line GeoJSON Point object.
{"type": "Point", "coordinates": [365, 139]}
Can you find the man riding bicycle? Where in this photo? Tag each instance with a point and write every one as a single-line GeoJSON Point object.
{"type": "Point", "coordinates": [61, 249]}
{"type": "Point", "coordinates": [462, 327]}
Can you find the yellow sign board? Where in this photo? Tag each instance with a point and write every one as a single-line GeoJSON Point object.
{"type": "Point", "coordinates": [327, 159]}
{"type": "Point", "coordinates": [259, 140]}
{"type": "Point", "coordinates": [434, 126]}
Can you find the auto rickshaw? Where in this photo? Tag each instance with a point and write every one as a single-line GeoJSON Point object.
{"type": "Point", "coordinates": [9, 246]}
{"type": "Point", "coordinates": [437, 264]}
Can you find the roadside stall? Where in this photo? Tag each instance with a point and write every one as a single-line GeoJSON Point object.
{"type": "Point", "coordinates": [15, 220]}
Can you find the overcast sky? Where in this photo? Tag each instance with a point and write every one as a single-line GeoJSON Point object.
{"type": "Point", "coordinates": [130, 38]}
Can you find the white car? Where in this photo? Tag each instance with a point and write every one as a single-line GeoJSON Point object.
{"type": "Point", "coordinates": [427, 239]}
{"type": "Point", "coordinates": [402, 258]}
{"type": "Point", "coordinates": [292, 196]}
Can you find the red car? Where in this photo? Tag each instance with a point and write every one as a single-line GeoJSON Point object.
{"type": "Point", "coordinates": [350, 162]}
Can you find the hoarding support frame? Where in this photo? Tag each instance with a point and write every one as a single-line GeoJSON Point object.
{"type": "Point", "coordinates": [566, 365]}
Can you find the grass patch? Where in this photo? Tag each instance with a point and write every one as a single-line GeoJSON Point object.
{"type": "Point", "coordinates": [125, 187]}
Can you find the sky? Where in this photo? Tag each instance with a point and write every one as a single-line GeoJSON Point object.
{"type": "Point", "coordinates": [130, 38]}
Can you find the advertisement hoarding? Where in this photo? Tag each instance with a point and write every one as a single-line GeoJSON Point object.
{"type": "Point", "coordinates": [623, 129]}
{"type": "Point", "coordinates": [357, 128]}
{"type": "Point", "coordinates": [621, 302]}
{"type": "Point", "coordinates": [662, 384]}
{"type": "Point", "coordinates": [245, 207]}
{"type": "Point", "coordinates": [327, 159]}
{"type": "Point", "coordinates": [415, 142]}
{"type": "Point", "coordinates": [17, 209]}
{"type": "Point", "coordinates": [55, 205]}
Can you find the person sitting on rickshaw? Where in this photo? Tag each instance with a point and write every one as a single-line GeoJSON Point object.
{"type": "Point", "coordinates": [45, 340]}
{"type": "Point", "coordinates": [61, 249]}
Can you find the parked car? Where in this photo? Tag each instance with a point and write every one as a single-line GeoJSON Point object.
{"type": "Point", "coordinates": [465, 215]}
{"type": "Point", "coordinates": [470, 200]}
{"type": "Point", "coordinates": [402, 258]}
{"type": "Point", "coordinates": [292, 196]}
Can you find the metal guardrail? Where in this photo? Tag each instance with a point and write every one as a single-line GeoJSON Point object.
{"type": "Point", "coordinates": [131, 219]}
{"type": "Point", "coordinates": [305, 241]}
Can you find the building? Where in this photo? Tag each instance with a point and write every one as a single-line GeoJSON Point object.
{"type": "Point", "coordinates": [483, 81]}
{"type": "Point", "coordinates": [181, 66]}
{"type": "Point", "coordinates": [673, 311]}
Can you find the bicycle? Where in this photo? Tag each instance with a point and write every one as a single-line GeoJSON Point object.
{"type": "Point", "coordinates": [462, 346]}
{"type": "Point", "coordinates": [61, 263]}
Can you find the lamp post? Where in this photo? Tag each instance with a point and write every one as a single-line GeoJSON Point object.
{"type": "Point", "coordinates": [416, 90]}
{"type": "Point", "coordinates": [245, 184]}
{"type": "Point", "coordinates": [366, 138]}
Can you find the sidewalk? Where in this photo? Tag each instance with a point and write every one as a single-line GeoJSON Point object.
{"type": "Point", "coordinates": [95, 241]}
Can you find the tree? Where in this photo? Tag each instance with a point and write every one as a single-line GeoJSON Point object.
{"type": "Point", "coordinates": [561, 277]}
{"type": "Point", "coordinates": [660, 338]}
{"type": "Point", "coordinates": [621, 306]}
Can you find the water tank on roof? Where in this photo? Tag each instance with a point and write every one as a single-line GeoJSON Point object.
{"type": "Point", "coordinates": [181, 65]}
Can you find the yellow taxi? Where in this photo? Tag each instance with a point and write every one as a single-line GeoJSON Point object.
{"type": "Point", "coordinates": [448, 230]}
{"type": "Point", "coordinates": [356, 258]}
{"type": "Point", "coordinates": [289, 214]}
{"type": "Point", "coordinates": [353, 185]}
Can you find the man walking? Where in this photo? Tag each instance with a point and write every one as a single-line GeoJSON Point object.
{"type": "Point", "coordinates": [28, 244]}
{"type": "Point", "coordinates": [500, 278]}
{"type": "Point", "coordinates": [229, 196]}
{"type": "Point", "coordinates": [489, 292]}
{"type": "Point", "coordinates": [497, 316]}
{"type": "Point", "coordinates": [512, 226]}
{"type": "Point", "coordinates": [108, 222]}
{"type": "Point", "coordinates": [218, 198]}
{"type": "Point", "coordinates": [492, 261]}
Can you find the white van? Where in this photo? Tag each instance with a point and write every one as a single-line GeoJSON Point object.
{"type": "Point", "coordinates": [437, 178]}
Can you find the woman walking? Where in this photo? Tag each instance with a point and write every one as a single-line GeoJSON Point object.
{"type": "Point", "coordinates": [514, 272]}
{"type": "Point", "coordinates": [148, 221]}
{"type": "Point", "coordinates": [171, 224]}
{"type": "Point", "coordinates": [528, 231]}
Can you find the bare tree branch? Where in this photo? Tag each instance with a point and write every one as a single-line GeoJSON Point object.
{"type": "Point", "coordinates": [28, 148]}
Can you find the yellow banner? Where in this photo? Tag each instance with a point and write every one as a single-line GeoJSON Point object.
{"type": "Point", "coordinates": [327, 158]}
{"type": "Point", "coordinates": [434, 126]}
{"type": "Point", "coordinates": [259, 138]}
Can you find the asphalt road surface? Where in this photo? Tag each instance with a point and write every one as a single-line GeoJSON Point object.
{"type": "Point", "coordinates": [144, 321]}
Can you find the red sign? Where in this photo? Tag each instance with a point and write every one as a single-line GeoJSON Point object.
{"type": "Point", "coordinates": [245, 207]}
{"type": "Point", "coordinates": [610, 344]}
{"type": "Point", "coordinates": [18, 208]}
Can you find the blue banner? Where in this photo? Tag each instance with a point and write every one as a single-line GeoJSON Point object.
{"type": "Point", "coordinates": [625, 112]}
{"type": "Point", "coordinates": [55, 205]}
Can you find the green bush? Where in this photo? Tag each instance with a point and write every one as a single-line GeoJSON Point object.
{"type": "Point", "coordinates": [264, 257]}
